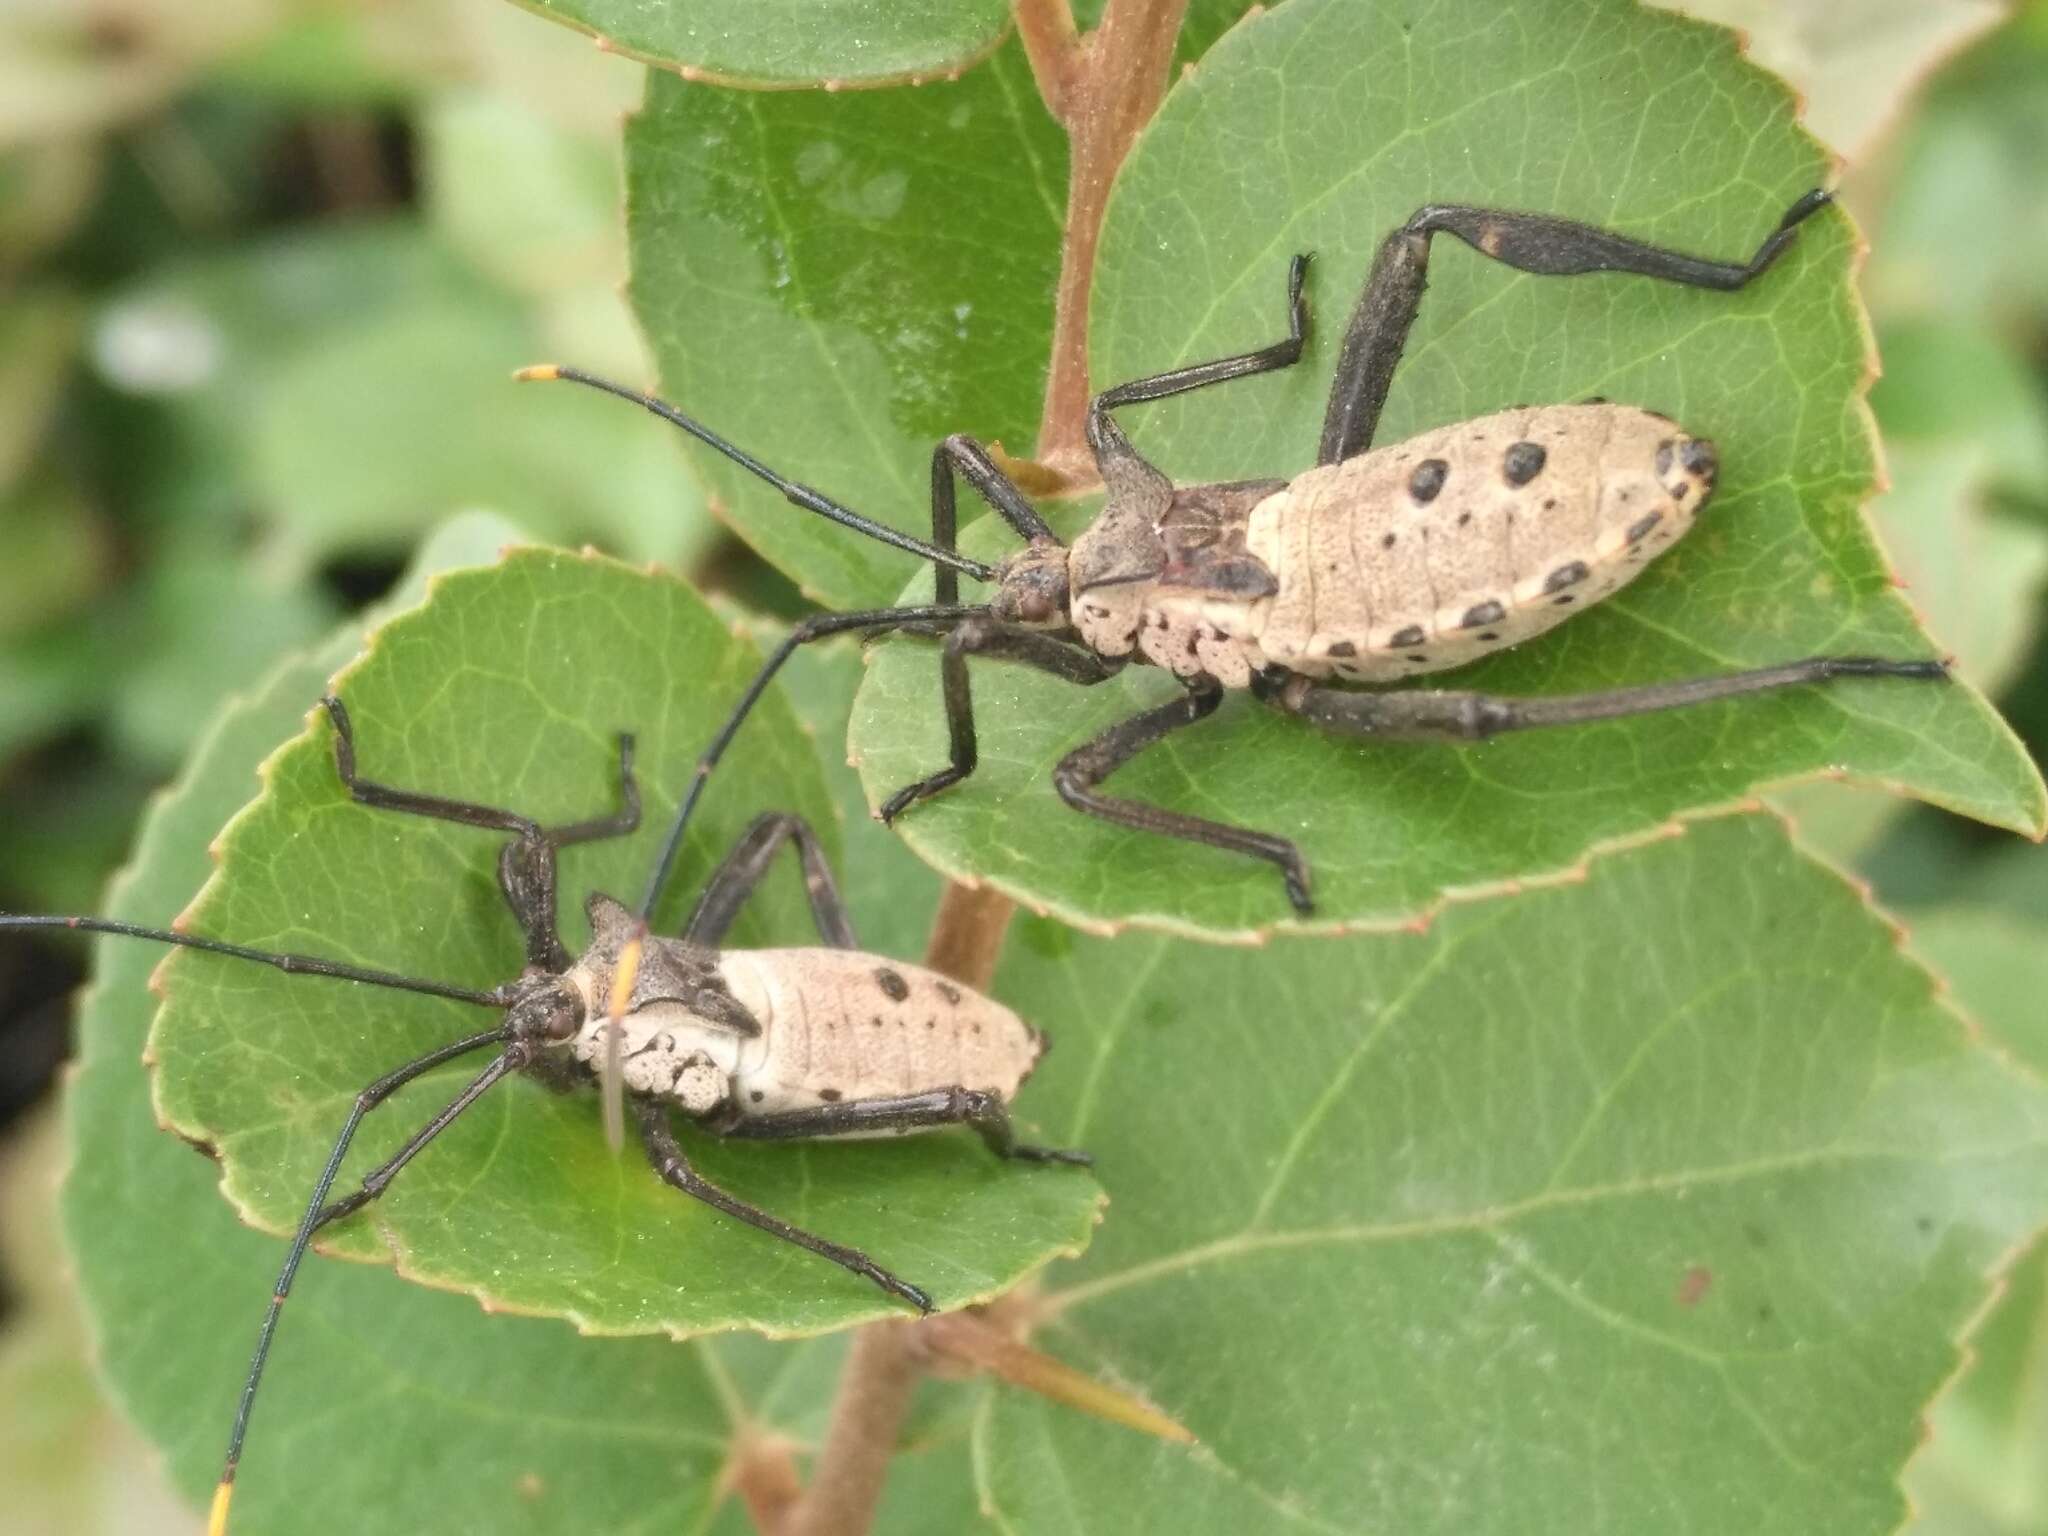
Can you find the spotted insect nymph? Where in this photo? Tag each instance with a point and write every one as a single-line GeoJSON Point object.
{"type": "Point", "coordinates": [1376, 566]}
{"type": "Point", "coordinates": [779, 1044]}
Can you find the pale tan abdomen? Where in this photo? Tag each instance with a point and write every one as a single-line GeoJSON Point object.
{"type": "Point", "coordinates": [1431, 553]}
{"type": "Point", "coordinates": [839, 1025]}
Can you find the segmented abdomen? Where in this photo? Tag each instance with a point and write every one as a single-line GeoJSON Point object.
{"type": "Point", "coordinates": [1428, 554]}
{"type": "Point", "coordinates": [839, 1025]}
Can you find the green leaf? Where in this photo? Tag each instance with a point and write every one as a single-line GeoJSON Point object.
{"type": "Point", "coordinates": [1192, 266]}
{"type": "Point", "coordinates": [1854, 62]}
{"type": "Point", "coordinates": [178, 655]}
{"type": "Point", "coordinates": [1670, 1191]}
{"type": "Point", "coordinates": [837, 282]}
{"type": "Point", "coordinates": [69, 1464]}
{"type": "Point", "coordinates": [831, 43]}
{"type": "Point", "coordinates": [508, 688]}
{"type": "Point", "coordinates": [57, 551]}
{"type": "Point", "coordinates": [175, 1284]}
{"type": "Point", "coordinates": [1968, 220]}
{"type": "Point", "coordinates": [635, 1430]}
{"type": "Point", "coordinates": [38, 344]}
{"type": "Point", "coordinates": [262, 354]}
{"type": "Point", "coordinates": [1981, 1473]}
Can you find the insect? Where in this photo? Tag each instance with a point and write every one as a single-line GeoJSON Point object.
{"type": "Point", "coordinates": [746, 1043]}
{"type": "Point", "coordinates": [1373, 567]}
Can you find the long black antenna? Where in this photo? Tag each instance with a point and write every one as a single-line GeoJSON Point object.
{"type": "Point", "coordinates": [810, 500]}
{"type": "Point", "coordinates": [296, 965]}
{"type": "Point", "coordinates": [873, 620]}
{"type": "Point", "coordinates": [319, 1213]}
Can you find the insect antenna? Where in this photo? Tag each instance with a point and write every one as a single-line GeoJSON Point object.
{"type": "Point", "coordinates": [817, 627]}
{"type": "Point", "coordinates": [802, 495]}
{"type": "Point", "coordinates": [291, 964]}
{"type": "Point", "coordinates": [320, 1213]}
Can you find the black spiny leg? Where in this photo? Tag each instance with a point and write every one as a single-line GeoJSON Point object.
{"type": "Point", "coordinates": [526, 866]}
{"type": "Point", "coordinates": [728, 889]}
{"type": "Point", "coordinates": [872, 621]}
{"type": "Point", "coordinates": [962, 455]}
{"type": "Point", "coordinates": [1115, 456]}
{"type": "Point", "coordinates": [984, 636]}
{"type": "Point", "coordinates": [1446, 715]}
{"type": "Point", "coordinates": [1080, 771]}
{"type": "Point", "coordinates": [1529, 242]}
{"type": "Point", "coordinates": [984, 1112]}
{"type": "Point", "coordinates": [957, 454]}
{"type": "Point", "coordinates": [666, 1154]}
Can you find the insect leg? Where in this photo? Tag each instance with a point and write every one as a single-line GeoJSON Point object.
{"type": "Point", "coordinates": [817, 627]}
{"type": "Point", "coordinates": [1446, 715]}
{"type": "Point", "coordinates": [985, 637]}
{"type": "Point", "coordinates": [1082, 769]}
{"type": "Point", "coordinates": [1529, 242]}
{"type": "Point", "coordinates": [526, 866]}
{"type": "Point", "coordinates": [621, 823]}
{"type": "Point", "coordinates": [962, 455]}
{"type": "Point", "coordinates": [985, 1112]}
{"type": "Point", "coordinates": [728, 889]}
{"type": "Point", "coordinates": [410, 802]}
{"type": "Point", "coordinates": [666, 1153]}
{"type": "Point", "coordinates": [1106, 437]}
{"type": "Point", "coordinates": [957, 454]}
{"type": "Point", "coordinates": [319, 1214]}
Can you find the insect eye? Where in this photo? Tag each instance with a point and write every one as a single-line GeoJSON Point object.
{"type": "Point", "coordinates": [563, 1021]}
{"type": "Point", "coordinates": [1034, 607]}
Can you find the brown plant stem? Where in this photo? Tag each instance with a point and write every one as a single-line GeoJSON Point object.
{"type": "Point", "coordinates": [875, 1388]}
{"type": "Point", "coordinates": [1106, 96]}
{"type": "Point", "coordinates": [1053, 46]}
{"type": "Point", "coordinates": [967, 934]}
{"type": "Point", "coordinates": [1103, 88]}
{"type": "Point", "coordinates": [763, 1473]}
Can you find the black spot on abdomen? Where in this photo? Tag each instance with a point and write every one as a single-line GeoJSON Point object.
{"type": "Point", "coordinates": [1428, 479]}
{"type": "Point", "coordinates": [892, 984]}
{"type": "Point", "coordinates": [1566, 576]}
{"type": "Point", "coordinates": [1480, 614]}
{"type": "Point", "coordinates": [1523, 462]}
{"type": "Point", "coordinates": [1412, 635]}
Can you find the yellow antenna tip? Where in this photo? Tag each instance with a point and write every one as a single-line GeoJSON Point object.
{"type": "Point", "coordinates": [625, 973]}
{"type": "Point", "coordinates": [217, 1520]}
{"type": "Point", "coordinates": [539, 371]}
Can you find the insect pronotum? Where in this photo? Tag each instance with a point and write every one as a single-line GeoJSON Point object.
{"type": "Point", "coordinates": [1375, 566]}
{"type": "Point", "coordinates": [746, 1043]}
